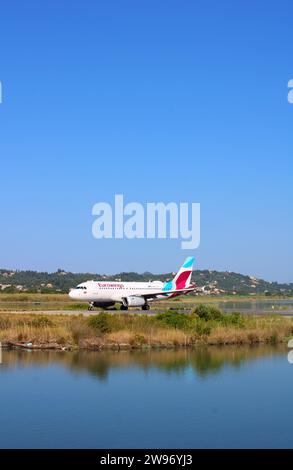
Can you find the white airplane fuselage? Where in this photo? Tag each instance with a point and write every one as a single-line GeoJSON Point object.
{"type": "Point", "coordinates": [98, 291]}
{"type": "Point", "coordinates": [134, 294]}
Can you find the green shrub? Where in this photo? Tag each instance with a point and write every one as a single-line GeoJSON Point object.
{"type": "Point", "coordinates": [208, 312]}
{"type": "Point", "coordinates": [174, 319]}
{"type": "Point", "coordinates": [234, 319]}
{"type": "Point", "coordinates": [100, 322]}
{"type": "Point", "coordinates": [202, 328]}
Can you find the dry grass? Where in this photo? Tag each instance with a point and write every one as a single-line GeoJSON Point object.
{"type": "Point", "coordinates": [169, 336]}
{"type": "Point", "coordinates": [59, 335]}
{"type": "Point", "coordinates": [122, 336]}
{"type": "Point", "coordinates": [256, 330]}
{"type": "Point", "coordinates": [138, 331]}
{"type": "Point", "coordinates": [27, 297]}
{"type": "Point", "coordinates": [155, 337]}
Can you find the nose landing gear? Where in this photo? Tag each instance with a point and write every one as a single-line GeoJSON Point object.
{"type": "Point", "coordinates": [91, 306]}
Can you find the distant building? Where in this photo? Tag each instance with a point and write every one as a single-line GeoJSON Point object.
{"type": "Point", "coordinates": [4, 286]}
{"type": "Point", "coordinates": [8, 274]}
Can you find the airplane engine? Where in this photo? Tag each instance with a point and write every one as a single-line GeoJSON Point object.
{"type": "Point", "coordinates": [133, 301]}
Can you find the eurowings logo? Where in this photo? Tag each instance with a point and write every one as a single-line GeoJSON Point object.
{"type": "Point", "coordinates": [182, 278]}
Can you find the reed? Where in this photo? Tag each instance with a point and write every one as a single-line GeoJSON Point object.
{"type": "Point", "coordinates": [170, 329]}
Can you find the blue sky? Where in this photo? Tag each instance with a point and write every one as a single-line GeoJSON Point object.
{"type": "Point", "coordinates": [157, 100]}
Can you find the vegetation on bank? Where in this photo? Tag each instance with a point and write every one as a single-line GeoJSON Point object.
{"type": "Point", "coordinates": [206, 325]}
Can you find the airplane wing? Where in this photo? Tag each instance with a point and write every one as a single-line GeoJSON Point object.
{"type": "Point", "coordinates": [162, 294]}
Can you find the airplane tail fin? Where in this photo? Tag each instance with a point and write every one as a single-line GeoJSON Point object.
{"type": "Point", "coordinates": [183, 277]}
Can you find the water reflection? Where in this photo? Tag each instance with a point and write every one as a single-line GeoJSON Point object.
{"type": "Point", "coordinates": [203, 361]}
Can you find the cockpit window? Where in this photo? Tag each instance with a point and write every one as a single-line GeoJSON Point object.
{"type": "Point", "coordinates": [81, 287]}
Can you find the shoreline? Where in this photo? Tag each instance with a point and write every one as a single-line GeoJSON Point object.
{"type": "Point", "coordinates": [117, 347]}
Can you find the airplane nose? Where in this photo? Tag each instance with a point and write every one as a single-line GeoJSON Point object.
{"type": "Point", "coordinates": [71, 294]}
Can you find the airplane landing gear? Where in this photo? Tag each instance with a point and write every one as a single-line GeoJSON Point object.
{"type": "Point", "coordinates": [123, 307]}
{"type": "Point", "coordinates": [146, 307]}
{"type": "Point", "coordinates": [91, 306]}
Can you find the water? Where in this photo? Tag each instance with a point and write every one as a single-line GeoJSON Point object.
{"type": "Point", "coordinates": [214, 397]}
{"type": "Point", "coordinates": [283, 307]}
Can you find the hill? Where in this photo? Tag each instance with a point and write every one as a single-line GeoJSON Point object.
{"type": "Point", "coordinates": [209, 282]}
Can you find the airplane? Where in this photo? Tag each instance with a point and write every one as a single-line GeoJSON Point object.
{"type": "Point", "coordinates": [134, 294]}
